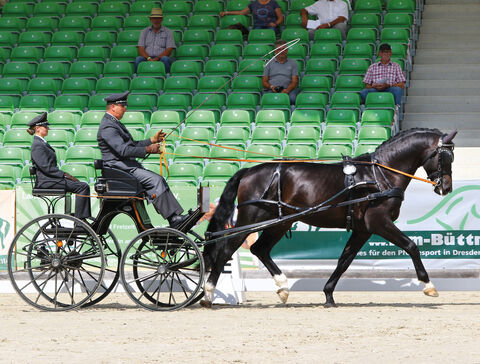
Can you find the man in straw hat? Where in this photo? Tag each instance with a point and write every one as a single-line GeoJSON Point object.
{"type": "Point", "coordinates": [119, 150]}
{"type": "Point", "coordinates": [156, 42]}
{"type": "Point", "coordinates": [48, 174]}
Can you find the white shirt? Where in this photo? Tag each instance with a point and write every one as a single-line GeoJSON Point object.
{"type": "Point", "coordinates": [41, 138]}
{"type": "Point", "coordinates": [328, 11]}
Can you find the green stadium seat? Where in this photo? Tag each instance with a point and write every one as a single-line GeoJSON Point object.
{"type": "Point", "coordinates": [225, 51]}
{"type": "Point", "coordinates": [82, 172]}
{"type": "Point", "coordinates": [338, 134]}
{"type": "Point", "coordinates": [7, 104]}
{"type": "Point", "coordinates": [300, 151]}
{"type": "Point", "coordinates": [268, 135]}
{"type": "Point", "coordinates": [17, 9]}
{"type": "Point", "coordinates": [353, 66]}
{"type": "Point", "coordinates": [341, 117]}
{"type": "Point", "coordinates": [13, 88]}
{"type": "Point", "coordinates": [232, 135]}
{"type": "Point", "coordinates": [219, 67]}
{"type": "Point", "coordinates": [349, 83]}
{"type": "Point", "coordinates": [110, 85]}
{"type": "Point", "coordinates": [236, 5]}
{"type": "Point", "coordinates": [174, 102]}
{"type": "Point", "coordinates": [297, 51]}
{"type": "Point", "coordinates": [14, 156]}
{"type": "Point", "coordinates": [375, 117]}
{"type": "Point", "coordinates": [10, 24]}
{"type": "Point", "coordinates": [77, 86]}
{"type": "Point", "coordinates": [44, 86]}
{"type": "Point", "coordinates": [311, 100]}
{"type": "Point", "coordinates": [228, 36]}
{"type": "Point", "coordinates": [21, 119]}
{"type": "Point", "coordinates": [17, 138]}
{"type": "Point", "coordinates": [63, 120]}
{"type": "Point", "coordinates": [185, 68]}
{"type": "Point", "coordinates": [197, 37]}
{"type": "Point", "coordinates": [251, 67]}
{"type": "Point", "coordinates": [328, 36]}
{"type": "Point", "coordinates": [213, 101]}
{"type": "Point", "coordinates": [373, 134]}
{"type": "Point", "coordinates": [143, 8]}
{"type": "Point", "coordinates": [91, 119]}
{"type": "Point", "coordinates": [20, 70]}
{"type": "Point", "coordinates": [174, 22]}
{"type": "Point", "coordinates": [261, 36]}
{"type": "Point", "coordinates": [380, 100]}
{"type": "Point", "coordinates": [126, 53]}
{"type": "Point", "coordinates": [278, 101]}
{"type": "Point", "coordinates": [77, 8]}
{"type": "Point", "coordinates": [334, 152]}
{"type": "Point", "coordinates": [86, 137]}
{"type": "Point", "coordinates": [184, 174]}
{"type": "Point", "coordinates": [74, 23]}
{"type": "Point", "coordinates": [228, 20]}
{"type": "Point", "coordinates": [207, 7]}
{"type": "Point", "coordinates": [401, 6]}
{"type": "Point", "coordinates": [42, 23]}
{"type": "Point", "coordinates": [99, 38]}
{"type": "Point", "coordinates": [324, 51]}
{"type": "Point", "coordinates": [394, 35]}
{"type": "Point", "coordinates": [364, 148]}
{"type": "Point", "coordinates": [165, 119]}
{"type": "Point", "coordinates": [362, 35]}
{"type": "Point", "coordinates": [60, 138]}
{"type": "Point", "coordinates": [59, 54]}
{"type": "Point", "coordinates": [270, 118]}
{"type": "Point", "coordinates": [226, 155]}
{"type": "Point", "coordinates": [303, 135]}
{"type": "Point", "coordinates": [368, 6]}
{"type": "Point", "coordinates": [201, 118]}
{"type": "Point", "coordinates": [134, 120]}
{"type": "Point", "coordinates": [188, 154]}
{"type": "Point", "coordinates": [180, 84]}
{"type": "Point", "coordinates": [26, 54]}
{"type": "Point", "coordinates": [52, 69]}
{"type": "Point", "coordinates": [346, 100]}
{"type": "Point", "coordinates": [211, 84]}
{"type": "Point", "coordinates": [293, 33]}
{"type": "Point", "coordinates": [4, 121]}
{"type": "Point", "coordinates": [322, 67]}
{"type": "Point", "coordinates": [118, 69]}
{"type": "Point", "coordinates": [263, 151]}
{"type": "Point", "coordinates": [82, 154]}
{"type": "Point", "coordinates": [398, 20]}
{"type": "Point", "coordinates": [293, 21]}
{"type": "Point", "coordinates": [72, 103]}
{"type": "Point", "coordinates": [35, 103]}
{"type": "Point", "coordinates": [193, 52]}
{"type": "Point", "coordinates": [97, 102]}
{"type": "Point", "coordinates": [106, 23]}
{"type": "Point", "coordinates": [146, 85]}
{"type": "Point", "coordinates": [93, 53]}
{"type": "Point", "coordinates": [113, 8]}
{"type": "Point", "coordinates": [8, 39]}
{"type": "Point", "coordinates": [365, 20]}
{"type": "Point", "coordinates": [297, 5]}
{"type": "Point", "coordinates": [8, 176]}
{"type": "Point", "coordinates": [151, 69]}
{"type": "Point", "coordinates": [255, 51]}
{"type": "Point", "coordinates": [177, 7]}
{"type": "Point", "coordinates": [231, 117]}
{"type": "Point", "coordinates": [67, 38]}
{"type": "Point", "coordinates": [143, 103]}
{"type": "Point", "coordinates": [128, 37]}
{"type": "Point", "coordinates": [194, 134]}
{"type": "Point", "coordinates": [217, 173]}
{"type": "Point", "coordinates": [306, 117]}
{"type": "Point", "coordinates": [49, 9]}
{"type": "Point", "coordinates": [358, 50]}
{"type": "Point", "coordinates": [248, 84]}
{"type": "Point", "coordinates": [242, 102]}
{"type": "Point", "coordinates": [316, 83]}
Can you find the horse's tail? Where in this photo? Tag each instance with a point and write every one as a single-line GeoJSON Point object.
{"type": "Point", "coordinates": [223, 212]}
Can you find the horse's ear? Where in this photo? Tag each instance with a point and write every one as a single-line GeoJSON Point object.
{"type": "Point", "coordinates": [450, 137]}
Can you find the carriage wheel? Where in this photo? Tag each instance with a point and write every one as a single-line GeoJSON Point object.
{"type": "Point", "coordinates": [113, 254]}
{"type": "Point", "coordinates": [162, 269]}
{"type": "Point", "coordinates": [56, 262]}
{"type": "Point", "coordinates": [197, 239]}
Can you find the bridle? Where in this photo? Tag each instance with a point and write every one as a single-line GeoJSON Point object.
{"type": "Point", "coordinates": [445, 157]}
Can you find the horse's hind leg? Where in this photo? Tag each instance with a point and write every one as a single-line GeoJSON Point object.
{"type": "Point", "coordinates": [354, 244]}
{"type": "Point", "coordinates": [395, 236]}
{"type": "Point", "coordinates": [262, 248]}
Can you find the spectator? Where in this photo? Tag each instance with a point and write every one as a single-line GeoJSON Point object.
{"type": "Point", "coordinates": [384, 76]}
{"type": "Point", "coordinates": [281, 74]}
{"type": "Point", "coordinates": [156, 42]}
{"type": "Point", "coordinates": [266, 14]}
{"type": "Point", "coordinates": [330, 14]}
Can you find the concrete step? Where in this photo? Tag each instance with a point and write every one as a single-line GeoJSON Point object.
{"type": "Point", "coordinates": [445, 120]}
{"type": "Point", "coordinates": [451, 11]}
{"type": "Point", "coordinates": [435, 56]}
{"type": "Point", "coordinates": [440, 108]}
{"type": "Point", "coordinates": [435, 37]}
{"type": "Point", "coordinates": [441, 26]}
{"type": "Point", "coordinates": [445, 72]}
{"type": "Point", "coordinates": [444, 88]}
{"type": "Point", "coordinates": [464, 138]}
{"type": "Point", "coordinates": [449, 2]}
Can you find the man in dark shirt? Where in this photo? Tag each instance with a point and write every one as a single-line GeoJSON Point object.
{"type": "Point", "coordinates": [119, 150]}
{"type": "Point", "coordinates": [48, 174]}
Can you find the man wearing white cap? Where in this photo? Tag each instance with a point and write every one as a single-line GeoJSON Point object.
{"type": "Point", "coordinates": [156, 42]}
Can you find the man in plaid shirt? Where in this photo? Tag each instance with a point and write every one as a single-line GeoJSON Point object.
{"type": "Point", "coordinates": [384, 76]}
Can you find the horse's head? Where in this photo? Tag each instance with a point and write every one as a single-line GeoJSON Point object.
{"type": "Point", "coordinates": [438, 164]}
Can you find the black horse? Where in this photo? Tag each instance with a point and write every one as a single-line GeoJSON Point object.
{"type": "Point", "coordinates": [377, 190]}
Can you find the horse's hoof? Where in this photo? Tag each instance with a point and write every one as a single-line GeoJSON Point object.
{"type": "Point", "coordinates": [206, 304]}
{"type": "Point", "coordinates": [431, 292]}
{"type": "Point", "coordinates": [283, 294]}
{"type": "Point", "coordinates": [330, 305]}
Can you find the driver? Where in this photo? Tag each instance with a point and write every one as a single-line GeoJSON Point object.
{"type": "Point", "coordinates": [119, 150]}
{"type": "Point", "coordinates": [48, 175]}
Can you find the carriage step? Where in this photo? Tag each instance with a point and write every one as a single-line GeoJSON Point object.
{"type": "Point", "coordinates": [189, 223]}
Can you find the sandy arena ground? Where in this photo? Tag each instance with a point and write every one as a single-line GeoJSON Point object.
{"type": "Point", "coordinates": [367, 327]}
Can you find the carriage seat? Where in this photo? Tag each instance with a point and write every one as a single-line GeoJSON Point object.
{"type": "Point", "coordinates": [115, 182]}
{"type": "Point", "coordinates": [38, 192]}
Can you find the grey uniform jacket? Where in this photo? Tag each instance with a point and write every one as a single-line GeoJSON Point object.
{"type": "Point", "coordinates": [44, 158]}
{"type": "Point", "coordinates": [118, 148]}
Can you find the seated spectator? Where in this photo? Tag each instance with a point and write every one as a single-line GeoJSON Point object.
{"type": "Point", "coordinates": [281, 73]}
{"type": "Point", "coordinates": [384, 76]}
{"type": "Point", "coordinates": [266, 14]}
{"type": "Point", "coordinates": [330, 14]}
{"type": "Point", "coordinates": [156, 42]}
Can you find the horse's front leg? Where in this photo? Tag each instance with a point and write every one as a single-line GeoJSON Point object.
{"type": "Point", "coordinates": [395, 236]}
{"type": "Point", "coordinates": [354, 244]}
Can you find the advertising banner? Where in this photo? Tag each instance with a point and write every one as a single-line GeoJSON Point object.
{"type": "Point", "coordinates": [7, 224]}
